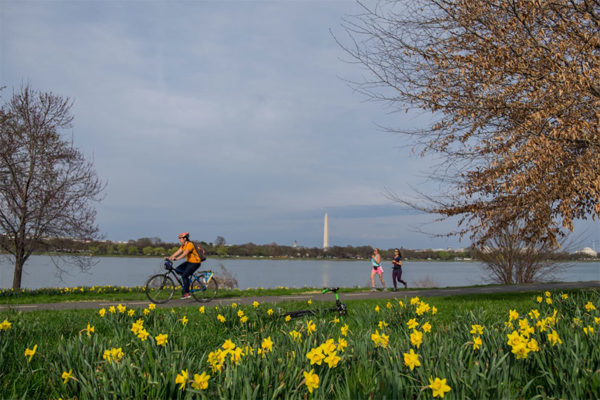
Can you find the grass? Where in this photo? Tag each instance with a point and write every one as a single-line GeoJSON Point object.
{"type": "Point", "coordinates": [261, 357]}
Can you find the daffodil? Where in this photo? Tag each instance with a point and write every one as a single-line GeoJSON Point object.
{"type": "Point", "coordinates": [296, 336]}
{"type": "Point", "coordinates": [288, 318]}
{"type": "Point", "coordinates": [114, 354]}
{"type": "Point", "coordinates": [426, 327]}
{"type": "Point", "coordinates": [233, 305]}
{"type": "Point", "coordinates": [270, 311]}
{"type": "Point", "coordinates": [146, 311]}
{"type": "Point", "coordinates": [228, 345]}
{"type": "Point", "coordinates": [112, 309]}
{"type": "Point", "coordinates": [181, 379]}
{"type": "Point", "coordinates": [476, 342]}
{"type": "Point", "coordinates": [344, 330]}
{"type": "Point", "coordinates": [329, 346]}
{"type": "Point", "coordinates": [131, 312]}
{"type": "Point", "coordinates": [102, 312]}
{"type": "Point", "coordinates": [310, 327]}
{"type": "Point", "coordinates": [67, 375]}
{"type": "Point", "coordinates": [589, 330]}
{"type": "Point", "coordinates": [5, 325]}
{"type": "Point", "coordinates": [416, 338]}
{"type": "Point", "coordinates": [564, 296]}
{"type": "Point", "coordinates": [244, 319]}
{"type": "Point", "coordinates": [388, 305]}
{"type": "Point", "coordinates": [143, 334]}
{"type": "Point", "coordinates": [513, 315]}
{"type": "Point", "coordinates": [380, 340]}
{"type": "Point", "coordinates": [151, 306]}
{"type": "Point", "coordinates": [382, 325]}
{"type": "Point", "coordinates": [309, 302]}
{"type": "Point", "coordinates": [200, 381]}
{"type": "Point", "coordinates": [332, 360]}
{"type": "Point", "coordinates": [267, 344]}
{"type": "Point", "coordinates": [554, 338]}
{"type": "Point", "coordinates": [161, 339]}
{"type": "Point", "coordinates": [221, 318]}
{"type": "Point", "coordinates": [184, 320]}
{"type": "Point", "coordinates": [30, 352]}
{"type": "Point", "coordinates": [311, 380]}
{"type": "Point", "coordinates": [589, 306]}
{"type": "Point", "coordinates": [201, 310]}
{"type": "Point", "coordinates": [438, 386]}
{"type": "Point", "coordinates": [315, 356]}
{"type": "Point", "coordinates": [411, 359]}
{"type": "Point", "coordinates": [121, 308]}
{"type": "Point", "coordinates": [376, 308]}
{"type": "Point", "coordinates": [255, 304]}
{"type": "Point", "coordinates": [89, 330]}
{"type": "Point", "coordinates": [342, 344]}
{"type": "Point", "coordinates": [240, 313]}
{"type": "Point", "coordinates": [412, 323]}
{"type": "Point", "coordinates": [476, 329]}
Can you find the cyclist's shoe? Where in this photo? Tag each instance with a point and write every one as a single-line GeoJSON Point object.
{"type": "Point", "coordinates": [186, 296]}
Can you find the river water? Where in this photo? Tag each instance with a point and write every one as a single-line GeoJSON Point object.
{"type": "Point", "coordinates": [40, 272]}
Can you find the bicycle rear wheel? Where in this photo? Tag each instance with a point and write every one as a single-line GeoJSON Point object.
{"type": "Point", "coordinates": [299, 313]}
{"type": "Point", "coordinates": [204, 292]}
{"type": "Point", "coordinates": [160, 288]}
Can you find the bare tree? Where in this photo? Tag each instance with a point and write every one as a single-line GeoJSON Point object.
{"type": "Point", "coordinates": [509, 259]}
{"type": "Point", "coordinates": [513, 91]}
{"type": "Point", "coordinates": [46, 186]}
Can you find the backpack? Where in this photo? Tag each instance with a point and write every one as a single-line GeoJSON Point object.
{"type": "Point", "coordinates": [201, 252]}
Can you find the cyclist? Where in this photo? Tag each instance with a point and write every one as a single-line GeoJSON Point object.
{"type": "Point", "coordinates": [191, 263]}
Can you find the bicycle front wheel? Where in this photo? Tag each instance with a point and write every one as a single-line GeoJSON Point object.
{"type": "Point", "coordinates": [160, 288]}
{"type": "Point", "coordinates": [204, 292]}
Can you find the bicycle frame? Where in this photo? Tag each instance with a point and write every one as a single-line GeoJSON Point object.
{"type": "Point", "coordinates": [340, 307]}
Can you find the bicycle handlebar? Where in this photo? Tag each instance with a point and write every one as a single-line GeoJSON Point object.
{"type": "Point", "coordinates": [334, 290]}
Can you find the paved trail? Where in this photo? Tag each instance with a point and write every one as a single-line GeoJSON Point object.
{"type": "Point", "coordinates": [317, 296]}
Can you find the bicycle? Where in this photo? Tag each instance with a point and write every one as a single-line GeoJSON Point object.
{"type": "Point", "coordinates": [340, 307]}
{"type": "Point", "coordinates": [160, 287]}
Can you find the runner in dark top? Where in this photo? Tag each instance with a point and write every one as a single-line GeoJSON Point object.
{"type": "Point", "coordinates": [397, 270]}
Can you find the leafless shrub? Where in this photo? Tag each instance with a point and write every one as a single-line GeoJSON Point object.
{"type": "Point", "coordinates": [225, 278]}
{"type": "Point", "coordinates": [427, 282]}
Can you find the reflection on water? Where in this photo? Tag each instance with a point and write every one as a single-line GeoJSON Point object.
{"type": "Point", "coordinates": [113, 271]}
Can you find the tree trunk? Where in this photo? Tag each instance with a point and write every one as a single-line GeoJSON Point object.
{"type": "Point", "coordinates": [19, 262]}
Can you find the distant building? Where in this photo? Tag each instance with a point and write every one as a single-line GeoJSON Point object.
{"type": "Point", "coordinates": [588, 252]}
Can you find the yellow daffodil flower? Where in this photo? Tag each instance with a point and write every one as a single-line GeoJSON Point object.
{"type": "Point", "coordinates": [310, 327]}
{"type": "Point", "coordinates": [332, 360]}
{"type": "Point", "coordinates": [315, 356]}
{"type": "Point", "coordinates": [67, 375]}
{"type": "Point", "coordinates": [438, 386]}
{"type": "Point", "coordinates": [267, 344]}
{"type": "Point", "coordinates": [476, 342]}
{"type": "Point", "coordinates": [411, 359]}
{"type": "Point", "coordinates": [412, 323]}
{"type": "Point", "coordinates": [182, 379]}
{"type": "Point", "coordinates": [311, 380]}
{"type": "Point", "coordinates": [30, 352]}
{"type": "Point", "coordinates": [416, 338]}
{"type": "Point", "coordinates": [200, 381]}
{"type": "Point", "coordinates": [161, 339]}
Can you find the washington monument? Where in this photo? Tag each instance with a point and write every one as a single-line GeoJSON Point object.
{"type": "Point", "coordinates": [326, 233]}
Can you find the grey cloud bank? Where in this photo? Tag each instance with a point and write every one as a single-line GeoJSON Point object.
{"type": "Point", "coordinates": [225, 118]}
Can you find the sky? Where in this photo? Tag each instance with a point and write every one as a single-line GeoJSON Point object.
{"type": "Point", "coordinates": [226, 118]}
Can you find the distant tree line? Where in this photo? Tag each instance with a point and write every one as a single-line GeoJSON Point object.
{"type": "Point", "coordinates": [155, 247]}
